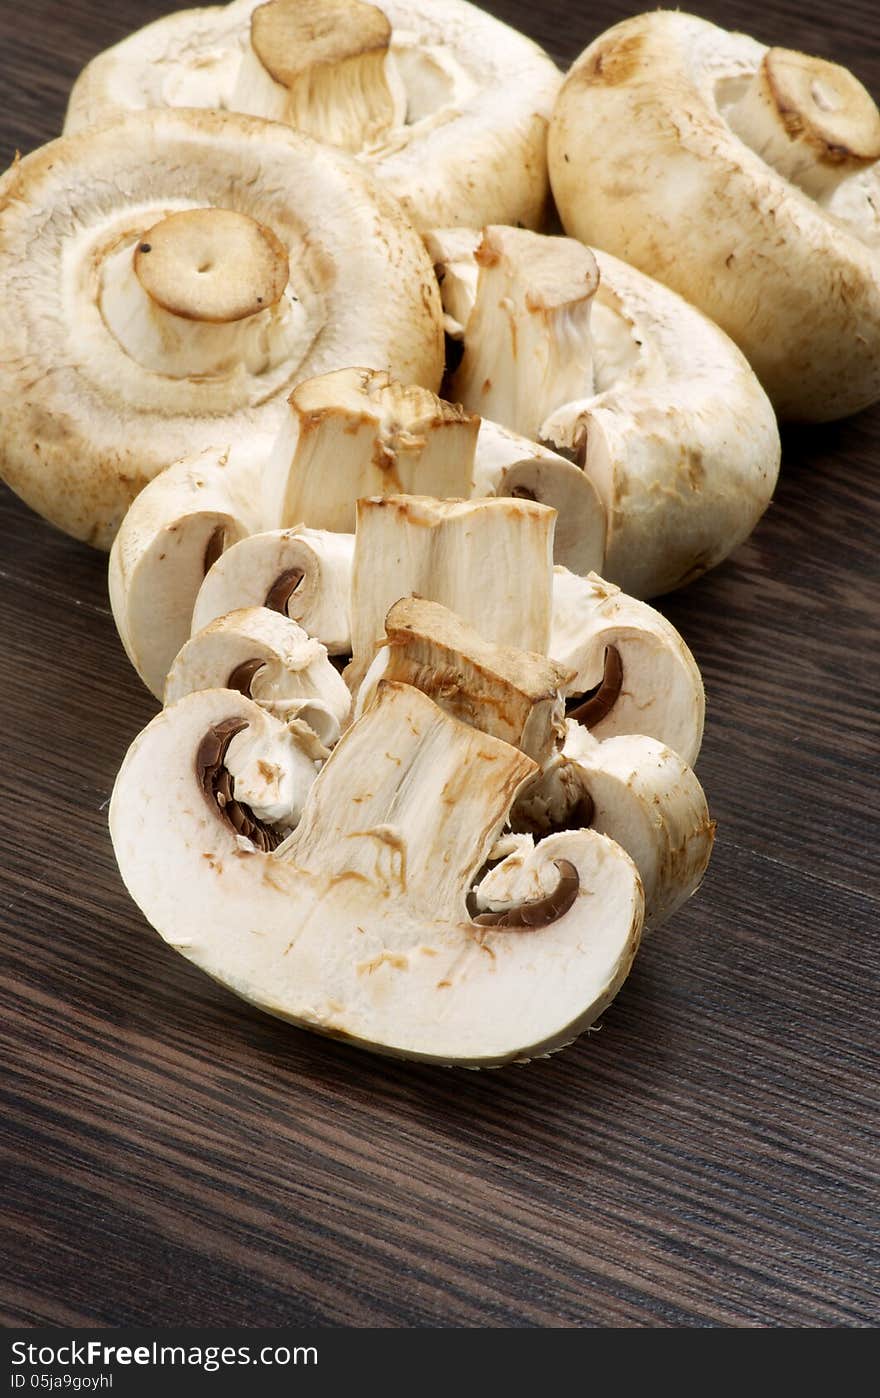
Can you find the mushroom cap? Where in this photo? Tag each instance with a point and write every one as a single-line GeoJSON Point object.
{"type": "Point", "coordinates": [357, 925]}
{"type": "Point", "coordinates": [645, 164]}
{"type": "Point", "coordinates": [86, 424]}
{"type": "Point", "coordinates": [676, 436]}
{"type": "Point", "coordinates": [656, 689]}
{"type": "Point", "coordinates": [477, 97]}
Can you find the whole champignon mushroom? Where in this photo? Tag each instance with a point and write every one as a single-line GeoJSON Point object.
{"type": "Point", "coordinates": [358, 925]}
{"type": "Point", "coordinates": [631, 671]}
{"type": "Point", "coordinates": [746, 178]}
{"type": "Point", "coordinates": [663, 413]}
{"type": "Point", "coordinates": [270, 659]}
{"type": "Point", "coordinates": [166, 280]}
{"type": "Point", "coordinates": [631, 788]}
{"type": "Point", "coordinates": [447, 105]}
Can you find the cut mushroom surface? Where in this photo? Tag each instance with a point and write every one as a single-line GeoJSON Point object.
{"type": "Point", "coordinates": [635, 668]}
{"type": "Point", "coordinates": [447, 105]}
{"type": "Point", "coordinates": [267, 657]}
{"type": "Point", "coordinates": [671, 427]}
{"type": "Point", "coordinates": [490, 561]}
{"type": "Point", "coordinates": [642, 795]}
{"type": "Point", "coordinates": [358, 924]}
{"type": "Point", "coordinates": [358, 432]}
{"type": "Point", "coordinates": [304, 574]}
{"type": "Point", "coordinates": [746, 178]}
{"type": "Point", "coordinates": [511, 694]}
{"type": "Point", "coordinates": [165, 281]}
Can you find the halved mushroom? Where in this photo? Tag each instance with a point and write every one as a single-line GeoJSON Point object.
{"type": "Point", "coordinates": [169, 540]}
{"type": "Point", "coordinates": [163, 284]}
{"type": "Point", "coordinates": [632, 671]}
{"type": "Point", "coordinates": [304, 574]}
{"type": "Point", "coordinates": [490, 561]}
{"type": "Point", "coordinates": [671, 426]}
{"type": "Point", "coordinates": [270, 659]}
{"type": "Point", "coordinates": [358, 432]}
{"type": "Point", "coordinates": [632, 788]}
{"type": "Point", "coordinates": [358, 924]}
{"type": "Point", "coordinates": [447, 105]}
{"type": "Point", "coordinates": [642, 795]}
{"type": "Point", "coordinates": [746, 178]}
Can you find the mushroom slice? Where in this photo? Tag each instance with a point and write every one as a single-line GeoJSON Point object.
{"type": "Point", "coordinates": [358, 924]}
{"type": "Point", "coordinates": [745, 178]}
{"type": "Point", "coordinates": [320, 65]}
{"type": "Point", "coordinates": [445, 104]}
{"type": "Point", "coordinates": [357, 432]}
{"type": "Point", "coordinates": [490, 561]}
{"type": "Point", "coordinates": [527, 345]}
{"type": "Point", "coordinates": [509, 464]}
{"type": "Point", "coordinates": [166, 280]}
{"type": "Point", "coordinates": [453, 252]}
{"type": "Point", "coordinates": [642, 795]}
{"type": "Point", "coordinates": [169, 539]}
{"type": "Point", "coordinates": [633, 666]}
{"type": "Point", "coordinates": [270, 659]}
{"type": "Point", "coordinates": [511, 694]}
{"type": "Point", "coordinates": [305, 574]}
{"type": "Point", "coordinates": [677, 438]}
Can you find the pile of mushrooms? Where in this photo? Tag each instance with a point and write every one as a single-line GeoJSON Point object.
{"type": "Point", "coordinates": [424, 770]}
{"type": "Point", "coordinates": [446, 105]}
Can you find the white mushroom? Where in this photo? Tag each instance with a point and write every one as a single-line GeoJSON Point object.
{"type": "Point", "coordinates": [270, 659]}
{"type": "Point", "coordinates": [673, 429]}
{"type": "Point", "coordinates": [631, 788]}
{"type": "Point", "coordinates": [642, 795]}
{"type": "Point", "coordinates": [304, 574]}
{"type": "Point", "coordinates": [358, 925]}
{"type": "Point", "coordinates": [358, 432]}
{"type": "Point", "coordinates": [632, 663]}
{"type": "Point", "coordinates": [490, 561]}
{"type": "Point", "coordinates": [170, 538]}
{"type": "Point", "coordinates": [447, 105]}
{"type": "Point", "coordinates": [746, 178]}
{"type": "Point", "coordinates": [163, 284]}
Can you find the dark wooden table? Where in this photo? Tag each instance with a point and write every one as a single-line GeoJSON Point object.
{"type": "Point", "coordinates": [708, 1158]}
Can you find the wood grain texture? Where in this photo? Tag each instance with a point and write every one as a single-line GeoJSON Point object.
{"type": "Point", "coordinates": [708, 1158]}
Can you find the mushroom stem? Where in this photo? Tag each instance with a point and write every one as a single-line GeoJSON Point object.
{"type": "Point", "coordinates": [488, 560]}
{"type": "Point", "coordinates": [200, 293]}
{"type": "Point", "coordinates": [321, 66]}
{"type": "Point", "coordinates": [527, 339]}
{"type": "Point", "coordinates": [537, 912]}
{"type": "Point", "coordinates": [813, 121]}
{"type": "Point", "coordinates": [357, 432]}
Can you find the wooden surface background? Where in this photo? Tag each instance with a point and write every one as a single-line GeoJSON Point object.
{"type": "Point", "coordinates": [708, 1158]}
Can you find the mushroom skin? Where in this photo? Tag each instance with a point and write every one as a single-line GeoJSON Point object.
{"type": "Point", "coordinates": [651, 158]}
{"type": "Point", "coordinates": [454, 122]}
{"type": "Point", "coordinates": [93, 409]}
{"type": "Point", "coordinates": [357, 925]}
{"type": "Point", "coordinates": [676, 435]}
